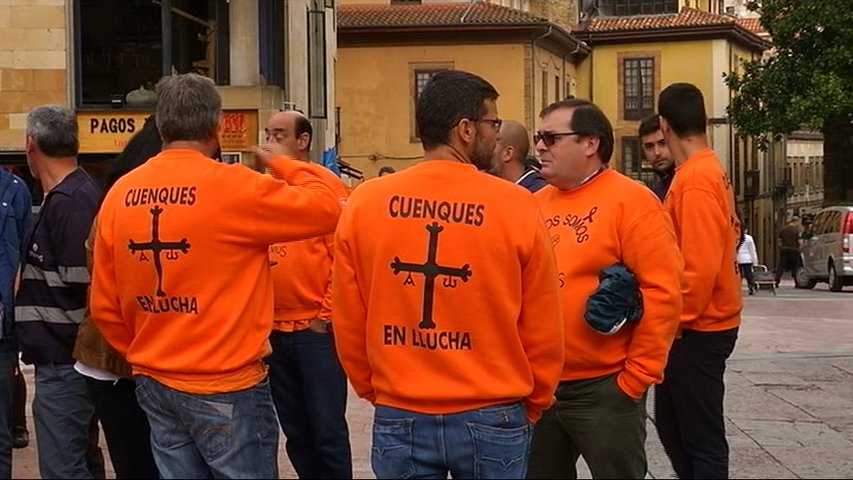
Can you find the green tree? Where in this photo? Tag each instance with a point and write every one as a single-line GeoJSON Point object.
{"type": "Point", "coordinates": [807, 83]}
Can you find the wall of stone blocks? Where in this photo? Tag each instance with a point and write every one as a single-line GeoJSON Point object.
{"type": "Point", "coordinates": [33, 63]}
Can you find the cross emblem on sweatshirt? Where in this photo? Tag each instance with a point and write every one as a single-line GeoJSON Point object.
{"type": "Point", "coordinates": [431, 269]}
{"type": "Point", "coordinates": [157, 246]}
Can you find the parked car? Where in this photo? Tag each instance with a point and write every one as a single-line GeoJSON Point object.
{"type": "Point", "coordinates": [827, 250]}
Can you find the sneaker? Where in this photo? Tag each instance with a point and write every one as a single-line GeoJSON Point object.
{"type": "Point", "coordinates": [20, 438]}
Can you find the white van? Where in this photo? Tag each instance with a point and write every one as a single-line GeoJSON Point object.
{"type": "Point", "coordinates": [827, 250]}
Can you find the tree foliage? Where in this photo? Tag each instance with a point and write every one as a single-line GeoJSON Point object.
{"type": "Point", "coordinates": [806, 83]}
{"type": "Point", "coordinates": [809, 76]}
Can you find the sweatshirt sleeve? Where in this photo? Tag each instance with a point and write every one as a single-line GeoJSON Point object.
{"type": "Point", "coordinates": [702, 224]}
{"type": "Point", "coordinates": [350, 313]}
{"type": "Point", "coordinates": [326, 303]}
{"type": "Point", "coordinates": [541, 322]}
{"type": "Point", "coordinates": [650, 250]}
{"type": "Point", "coordinates": [295, 203]}
{"type": "Point", "coordinates": [104, 303]}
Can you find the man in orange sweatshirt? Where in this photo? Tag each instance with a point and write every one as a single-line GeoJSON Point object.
{"type": "Point", "coordinates": [689, 403]}
{"type": "Point", "coordinates": [598, 218]}
{"type": "Point", "coordinates": [308, 385]}
{"type": "Point", "coordinates": [446, 309]}
{"type": "Point", "coordinates": [182, 285]}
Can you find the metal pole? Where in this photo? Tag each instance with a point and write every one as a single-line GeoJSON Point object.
{"type": "Point", "coordinates": [166, 28]}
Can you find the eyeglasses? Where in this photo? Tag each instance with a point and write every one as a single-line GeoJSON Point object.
{"type": "Point", "coordinates": [549, 138]}
{"type": "Point", "coordinates": [496, 122]}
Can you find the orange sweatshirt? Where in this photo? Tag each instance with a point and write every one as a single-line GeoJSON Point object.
{"type": "Point", "coordinates": [445, 292]}
{"type": "Point", "coordinates": [701, 203]}
{"type": "Point", "coordinates": [302, 272]}
{"type": "Point", "coordinates": [610, 219]}
{"type": "Point", "coordinates": [181, 284]}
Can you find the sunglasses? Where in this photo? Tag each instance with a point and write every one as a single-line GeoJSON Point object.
{"type": "Point", "coordinates": [549, 138]}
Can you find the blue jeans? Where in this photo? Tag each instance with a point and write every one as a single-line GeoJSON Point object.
{"type": "Point", "coordinates": [309, 389]}
{"type": "Point", "coordinates": [488, 442]}
{"type": "Point", "coordinates": [65, 424]}
{"type": "Point", "coordinates": [8, 362]}
{"type": "Point", "coordinates": [219, 435]}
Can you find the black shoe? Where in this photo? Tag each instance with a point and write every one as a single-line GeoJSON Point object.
{"type": "Point", "coordinates": [20, 438]}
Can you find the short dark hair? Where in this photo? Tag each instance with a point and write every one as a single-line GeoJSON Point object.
{"type": "Point", "coordinates": [683, 107]}
{"type": "Point", "coordinates": [449, 97]}
{"type": "Point", "coordinates": [386, 169]}
{"type": "Point", "coordinates": [649, 125]}
{"type": "Point", "coordinates": [302, 125]}
{"type": "Point", "coordinates": [589, 121]}
{"type": "Point", "coordinates": [143, 145]}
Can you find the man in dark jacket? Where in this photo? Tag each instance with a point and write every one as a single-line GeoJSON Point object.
{"type": "Point", "coordinates": [511, 161]}
{"type": "Point", "coordinates": [656, 152]}
{"type": "Point", "coordinates": [51, 300]}
{"type": "Point", "coordinates": [15, 218]}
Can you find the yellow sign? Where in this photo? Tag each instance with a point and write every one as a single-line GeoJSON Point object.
{"type": "Point", "coordinates": [108, 132]}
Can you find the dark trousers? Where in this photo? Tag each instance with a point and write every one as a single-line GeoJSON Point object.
{"type": "Point", "coordinates": [689, 404]}
{"type": "Point", "coordinates": [746, 273]}
{"type": "Point", "coordinates": [789, 260]}
{"type": "Point", "coordinates": [592, 418]}
{"type": "Point", "coordinates": [309, 389]}
{"type": "Point", "coordinates": [8, 364]}
{"type": "Point", "coordinates": [125, 427]}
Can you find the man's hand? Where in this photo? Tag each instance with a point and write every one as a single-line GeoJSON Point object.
{"type": "Point", "coordinates": [265, 153]}
{"type": "Point", "coordinates": [320, 325]}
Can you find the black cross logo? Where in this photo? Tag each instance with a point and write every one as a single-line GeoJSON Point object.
{"type": "Point", "coordinates": [156, 246]}
{"type": "Point", "coordinates": [430, 269]}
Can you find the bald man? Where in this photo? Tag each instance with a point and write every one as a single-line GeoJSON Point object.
{"type": "Point", "coordinates": [309, 387]}
{"type": "Point", "coordinates": [510, 160]}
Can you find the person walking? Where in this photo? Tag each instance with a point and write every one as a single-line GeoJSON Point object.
{"type": "Point", "coordinates": [600, 412]}
{"type": "Point", "coordinates": [51, 299]}
{"type": "Point", "coordinates": [458, 352]}
{"type": "Point", "coordinates": [747, 258]}
{"type": "Point", "coordinates": [309, 387]}
{"type": "Point", "coordinates": [15, 221]}
{"type": "Point", "coordinates": [689, 402]}
{"type": "Point", "coordinates": [789, 249]}
{"type": "Point", "coordinates": [182, 286]}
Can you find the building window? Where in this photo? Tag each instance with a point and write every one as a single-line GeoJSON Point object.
{"type": "Point", "coordinates": [638, 79]}
{"type": "Point", "coordinates": [272, 43]}
{"type": "Point", "coordinates": [557, 88]}
{"type": "Point", "coordinates": [632, 162]}
{"type": "Point", "coordinates": [544, 90]}
{"type": "Point", "coordinates": [317, 63]}
{"type": "Point", "coordinates": [420, 75]}
{"type": "Point", "coordinates": [128, 46]}
{"type": "Point", "coordinates": [636, 7]}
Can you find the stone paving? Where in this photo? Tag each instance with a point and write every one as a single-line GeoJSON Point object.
{"type": "Point", "coordinates": [789, 400]}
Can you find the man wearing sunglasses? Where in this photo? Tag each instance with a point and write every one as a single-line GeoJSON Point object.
{"type": "Point", "coordinates": [511, 160]}
{"type": "Point", "coordinates": [599, 218]}
{"type": "Point", "coordinates": [444, 289]}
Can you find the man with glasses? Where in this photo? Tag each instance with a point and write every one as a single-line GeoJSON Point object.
{"type": "Point", "coordinates": [599, 218]}
{"type": "Point", "coordinates": [446, 302]}
{"type": "Point", "coordinates": [511, 160]}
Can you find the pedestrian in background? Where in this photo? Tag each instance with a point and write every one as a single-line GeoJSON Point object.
{"type": "Point", "coordinates": [689, 402]}
{"type": "Point", "coordinates": [459, 352]}
{"type": "Point", "coordinates": [747, 258]}
{"type": "Point", "coordinates": [511, 160]}
{"type": "Point", "coordinates": [657, 154]}
{"type": "Point", "coordinates": [789, 249]}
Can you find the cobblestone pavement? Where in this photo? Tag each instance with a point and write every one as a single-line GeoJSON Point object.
{"type": "Point", "coordinates": [789, 400]}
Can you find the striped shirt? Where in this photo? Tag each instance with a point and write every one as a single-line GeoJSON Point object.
{"type": "Point", "coordinates": [51, 300]}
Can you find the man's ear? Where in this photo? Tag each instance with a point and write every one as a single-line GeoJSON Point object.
{"type": "Point", "coordinates": [507, 154]}
{"type": "Point", "coordinates": [465, 129]}
{"type": "Point", "coordinates": [303, 141]}
{"type": "Point", "coordinates": [31, 145]}
{"type": "Point", "coordinates": [591, 144]}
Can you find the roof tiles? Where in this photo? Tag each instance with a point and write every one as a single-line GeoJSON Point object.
{"type": "Point", "coordinates": [441, 14]}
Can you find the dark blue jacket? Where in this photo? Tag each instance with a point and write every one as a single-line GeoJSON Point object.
{"type": "Point", "coordinates": [16, 205]}
{"type": "Point", "coordinates": [531, 180]}
{"type": "Point", "coordinates": [51, 300]}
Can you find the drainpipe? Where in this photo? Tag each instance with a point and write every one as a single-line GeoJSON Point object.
{"type": "Point", "coordinates": [533, 43]}
{"type": "Point", "coordinates": [576, 50]}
